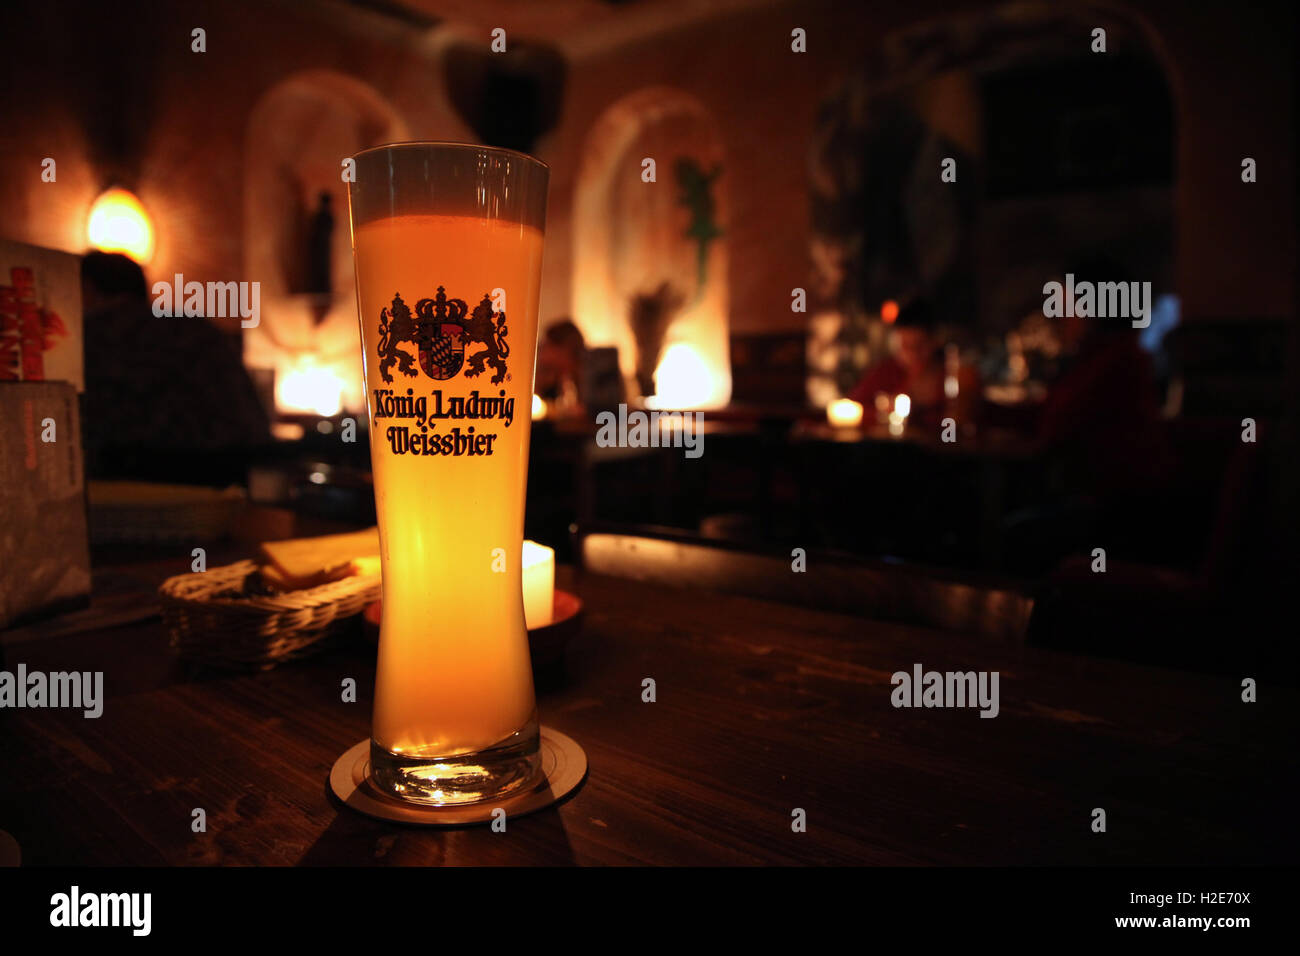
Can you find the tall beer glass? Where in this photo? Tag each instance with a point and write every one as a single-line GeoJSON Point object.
{"type": "Point", "coordinates": [447, 240]}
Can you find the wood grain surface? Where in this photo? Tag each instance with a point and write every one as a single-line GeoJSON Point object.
{"type": "Point", "coordinates": [761, 709]}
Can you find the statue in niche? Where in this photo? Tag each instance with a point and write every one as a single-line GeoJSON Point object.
{"type": "Point", "coordinates": [651, 314]}
{"type": "Point", "coordinates": [320, 240]}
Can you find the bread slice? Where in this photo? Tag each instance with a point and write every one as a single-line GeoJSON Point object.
{"type": "Point", "coordinates": [309, 562]}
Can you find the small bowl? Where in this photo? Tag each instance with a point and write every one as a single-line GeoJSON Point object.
{"type": "Point", "coordinates": [546, 643]}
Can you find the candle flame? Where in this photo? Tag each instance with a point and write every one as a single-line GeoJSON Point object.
{"type": "Point", "coordinates": [309, 387]}
{"type": "Point", "coordinates": [844, 412]}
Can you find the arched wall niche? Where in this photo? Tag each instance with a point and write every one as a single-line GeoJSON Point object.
{"type": "Point", "coordinates": [650, 258]}
{"type": "Point", "coordinates": [297, 137]}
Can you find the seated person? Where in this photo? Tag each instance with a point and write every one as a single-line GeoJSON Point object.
{"type": "Point", "coordinates": [917, 369]}
{"type": "Point", "coordinates": [166, 399]}
{"type": "Point", "coordinates": [560, 355]}
{"type": "Point", "coordinates": [1101, 435]}
{"type": "Point", "coordinates": [1102, 415]}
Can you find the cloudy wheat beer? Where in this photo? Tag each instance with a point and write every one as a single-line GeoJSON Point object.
{"type": "Point", "coordinates": [448, 247]}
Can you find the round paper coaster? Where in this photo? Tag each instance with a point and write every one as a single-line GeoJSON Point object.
{"type": "Point", "coordinates": [564, 767]}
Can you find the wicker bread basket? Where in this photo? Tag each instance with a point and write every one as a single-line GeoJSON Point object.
{"type": "Point", "coordinates": [213, 620]}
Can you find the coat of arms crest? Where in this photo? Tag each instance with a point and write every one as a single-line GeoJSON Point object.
{"type": "Point", "coordinates": [441, 329]}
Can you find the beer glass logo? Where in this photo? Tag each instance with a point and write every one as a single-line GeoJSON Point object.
{"type": "Point", "coordinates": [441, 330]}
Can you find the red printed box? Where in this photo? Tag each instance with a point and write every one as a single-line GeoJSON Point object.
{"type": "Point", "coordinates": [40, 315]}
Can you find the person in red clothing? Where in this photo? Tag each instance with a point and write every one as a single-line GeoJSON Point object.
{"type": "Point", "coordinates": [1101, 433]}
{"type": "Point", "coordinates": [1101, 418]}
{"type": "Point", "coordinates": [916, 369]}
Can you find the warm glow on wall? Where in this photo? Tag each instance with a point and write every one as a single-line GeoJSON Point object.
{"type": "Point", "coordinates": [684, 380]}
{"type": "Point", "coordinates": [637, 251]}
{"type": "Point", "coordinates": [308, 387]}
{"type": "Point", "coordinates": [119, 223]}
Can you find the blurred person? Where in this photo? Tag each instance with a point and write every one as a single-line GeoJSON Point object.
{"type": "Point", "coordinates": [1101, 432]}
{"type": "Point", "coordinates": [560, 355]}
{"type": "Point", "coordinates": [919, 368]}
{"type": "Point", "coordinates": [166, 398]}
{"type": "Point", "coordinates": [1101, 417]}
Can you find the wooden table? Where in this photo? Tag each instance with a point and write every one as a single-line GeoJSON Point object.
{"type": "Point", "coordinates": [855, 455]}
{"type": "Point", "coordinates": [760, 709]}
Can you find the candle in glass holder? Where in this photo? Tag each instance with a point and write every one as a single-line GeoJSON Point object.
{"type": "Point", "coordinates": [539, 584]}
{"type": "Point", "coordinates": [898, 417]}
{"type": "Point", "coordinates": [844, 413]}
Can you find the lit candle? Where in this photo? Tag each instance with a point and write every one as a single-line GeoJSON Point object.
{"type": "Point", "coordinates": [951, 370]}
{"type": "Point", "coordinates": [844, 413]}
{"type": "Point", "coordinates": [539, 584]}
{"type": "Point", "coordinates": [898, 418]}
